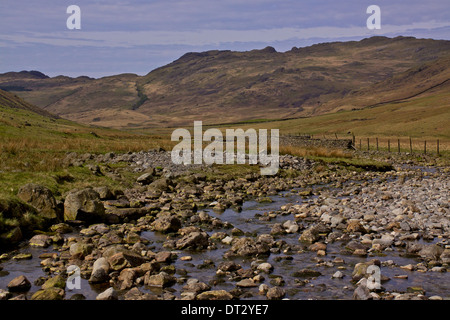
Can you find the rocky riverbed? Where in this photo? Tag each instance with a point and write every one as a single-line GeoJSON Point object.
{"type": "Point", "coordinates": [314, 231]}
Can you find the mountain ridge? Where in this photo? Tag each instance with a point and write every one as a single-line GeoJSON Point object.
{"type": "Point", "coordinates": [241, 86]}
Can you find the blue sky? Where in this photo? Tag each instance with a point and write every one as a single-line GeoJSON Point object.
{"type": "Point", "coordinates": [136, 36]}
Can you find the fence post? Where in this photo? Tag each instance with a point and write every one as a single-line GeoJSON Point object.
{"type": "Point", "coordinates": [335, 134]}
{"type": "Point", "coordinates": [389, 145]}
{"type": "Point", "coordinates": [438, 146]}
{"type": "Point", "coordinates": [425, 147]}
{"type": "Point", "coordinates": [360, 144]}
{"type": "Point", "coordinates": [377, 144]}
{"type": "Point", "coordinates": [398, 144]}
{"type": "Point", "coordinates": [354, 140]}
{"type": "Point", "coordinates": [368, 144]}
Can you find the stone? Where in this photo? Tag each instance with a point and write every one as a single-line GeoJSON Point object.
{"type": "Point", "coordinates": [275, 293]}
{"type": "Point", "coordinates": [246, 283]}
{"type": "Point", "coordinates": [84, 205]}
{"type": "Point", "coordinates": [354, 225]}
{"type": "Point", "coordinates": [23, 256]}
{"type": "Point", "coordinates": [167, 224]}
{"type": "Point", "coordinates": [100, 271]}
{"type": "Point", "coordinates": [127, 277]}
{"type": "Point", "coordinates": [163, 257]}
{"type": "Point", "coordinates": [19, 284]}
{"type": "Point", "coordinates": [291, 226]}
{"type": "Point", "coordinates": [161, 280]}
{"type": "Point", "coordinates": [41, 198]}
{"type": "Point", "coordinates": [362, 292]}
{"type": "Point", "coordinates": [61, 228]}
{"type": "Point", "coordinates": [40, 240]}
{"type": "Point", "coordinates": [445, 256]}
{"type": "Point", "coordinates": [214, 295]}
{"type": "Point", "coordinates": [196, 286]}
{"type": "Point", "coordinates": [338, 274]}
{"type": "Point", "coordinates": [125, 259]}
{"type": "Point", "coordinates": [359, 271]}
{"type": "Point", "coordinates": [162, 184]}
{"type": "Point", "coordinates": [104, 193]}
{"type": "Point", "coordinates": [145, 179]}
{"type": "Point", "coordinates": [248, 247]}
{"type": "Point", "coordinates": [13, 236]}
{"type": "Point", "coordinates": [55, 282]}
{"type": "Point", "coordinates": [108, 294]}
{"type": "Point", "coordinates": [309, 235]}
{"type": "Point", "coordinates": [431, 252]}
{"type": "Point", "coordinates": [5, 295]}
{"type": "Point", "coordinates": [196, 240]}
{"type": "Point", "coordinates": [265, 267]}
{"type": "Point", "coordinates": [306, 273]}
{"type": "Point", "coordinates": [51, 293]}
{"type": "Point", "coordinates": [81, 248]}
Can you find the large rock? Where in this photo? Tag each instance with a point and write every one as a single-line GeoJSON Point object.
{"type": "Point", "coordinates": [214, 295]}
{"type": "Point", "coordinates": [161, 280]}
{"type": "Point", "coordinates": [120, 258]}
{"type": "Point", "coordinates": [40, 198]}
{"type": "Point", "coordinates": [55, 282]}
{"type": "Point", "coordinates": [84, 205]}
{"type": "Point", "coordinates": [108, 294]}
{"type": "Point", "coordinates": [162, 184]}
{"type": "Point", "coordinates": [310, 235]}
{"type": "Point", "coordinates": [193, 240]}
{"type": "Point", "coordinates": [19, 284]}
{"type": "Point", "coordinates": [248, 247]}
{"type": "Point", "coordinates": [275, 293]}
{"type": "Point", "coordinates": [167, 224]}
{"type": "Point", "coordinates": [52, 293]}
{"type": "Point", "coordinates": [100, 271]}
{"type": "Point", "coordinates": [40, 240]}
{"type": "Point", "coordinates": [80, 249]}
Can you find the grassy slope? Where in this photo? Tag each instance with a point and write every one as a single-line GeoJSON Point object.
{"type": "Point", "coordinates": [32, 147]}
{"type": "Point", "coordinates": [226, 86]}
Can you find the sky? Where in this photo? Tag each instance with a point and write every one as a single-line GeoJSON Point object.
{"type": "Point", "coordinates": [137, 36]}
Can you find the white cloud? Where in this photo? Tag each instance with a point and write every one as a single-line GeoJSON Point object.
{"type": "Point", "coordinates": [111, 39]}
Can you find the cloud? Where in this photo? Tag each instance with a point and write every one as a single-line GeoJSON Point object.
{"type": "Point", "coordinates": [126, 39]}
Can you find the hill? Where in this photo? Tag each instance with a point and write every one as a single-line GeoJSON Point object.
{"type": "Point", "coordinates": [226, 86]}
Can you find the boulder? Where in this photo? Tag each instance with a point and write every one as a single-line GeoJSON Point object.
{"type": "Point", "coordinates": [161, 280]}
{"type": "Point", "coordinates": [55, 282]}
{"type": "Point", "coordinates": [145, 179]}
{"type": "Point", "coordinates": [19, 284]}
{"type": "Point", "coordinates": [108, 294]}
{"type": "Point", "coordinates": [100, 271]}
{"type": "Point", "coordinates": [167, 224]}
{"type": "Point", "coordinates": [275, 293]}
{"type": "Point", "coordinates": [310, 235]}
{"type": "Point", "coordinates": [80, 248]}
{"type": "Point", "coordinates": [41, 198]}
{"type": "Point", "coordinates": [248, 247]}
{"type": "Point", "coordinates": [84, 205]}
{"type": "Point", "coordinates": [52, 293]}
{"type": "Point", "coordinates": [40, 240]}
{"type": "Point", "coordinates": [194, 240]}
{"type": "Point", "coordinates": [214, 295]}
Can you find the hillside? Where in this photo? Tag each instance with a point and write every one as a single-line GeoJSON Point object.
{"type": "Point", "coordinates": [227, 86]}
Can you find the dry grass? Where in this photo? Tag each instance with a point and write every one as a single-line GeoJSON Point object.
{"type": "Point", "coordinates": [315, 152]}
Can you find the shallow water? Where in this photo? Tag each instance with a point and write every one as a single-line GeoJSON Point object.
{"type": "Point", "coordinates": [322, 287]}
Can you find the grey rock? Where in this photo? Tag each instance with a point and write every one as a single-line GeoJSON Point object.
{"type": "Point", "coordinates": [108, 294]}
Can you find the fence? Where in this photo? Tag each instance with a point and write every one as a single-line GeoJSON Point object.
{"type": "Point", "coordinates": [345, 141]}
{"type": "Point", "coordinates": [398, 145]}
